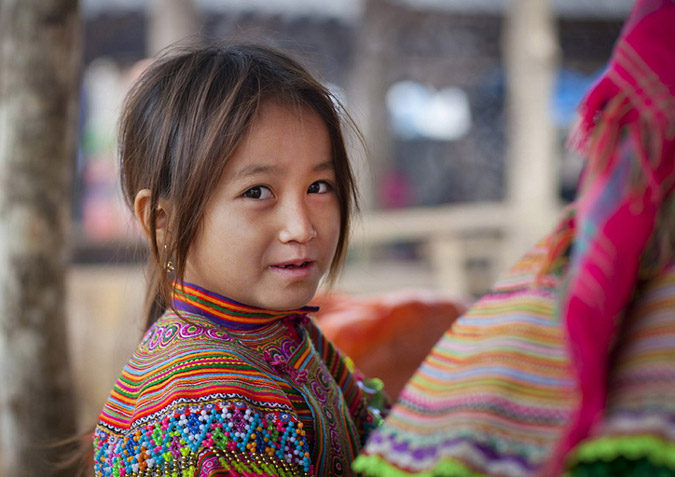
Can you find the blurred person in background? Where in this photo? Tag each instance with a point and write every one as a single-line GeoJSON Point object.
{"type": "Point", "coordinates": [568, 364]}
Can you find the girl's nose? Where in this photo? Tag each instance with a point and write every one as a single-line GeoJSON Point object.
{"type": "Point", "coordinates": [296, 224]}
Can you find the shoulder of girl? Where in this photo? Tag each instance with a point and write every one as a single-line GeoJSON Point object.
{"type": "Point", "coordinates": [180, 433]}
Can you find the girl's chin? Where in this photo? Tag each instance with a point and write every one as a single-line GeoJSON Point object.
{"type": "Point", "coordinates": [289, 300]}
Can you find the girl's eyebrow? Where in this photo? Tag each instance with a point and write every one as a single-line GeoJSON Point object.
{"type": "Point", "coordinates": [325, 166]}
{"type": "Point", "coordinates": [271, 169]}
{"type": "Point", "coordinates": [255, 170]}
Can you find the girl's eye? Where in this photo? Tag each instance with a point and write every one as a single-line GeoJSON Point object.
{"type": "Point", "coordinates": [319, 187]}
{"type": "Point", "coordinates": [258, 192]}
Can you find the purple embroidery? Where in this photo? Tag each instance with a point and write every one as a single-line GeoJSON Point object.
{"type": "Point", "coordinates": [207, 465]}
{"type": "Point", "coordinates": [175, 447]}
{"type": "Point", "coordinates": [238, 420]}
{"type": "Point", "coordinates": [281, 366]}
{"type": "Point", "coordinates": [292, 322]}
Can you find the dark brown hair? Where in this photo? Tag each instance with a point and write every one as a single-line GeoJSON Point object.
{"type": "Point", "coordinates": [184, 118]}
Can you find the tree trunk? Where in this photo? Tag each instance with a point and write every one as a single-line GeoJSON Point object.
{"type": "Point", "coordinates": [531, 57]}
{"type": "Point", "coordinates": [39, 79]}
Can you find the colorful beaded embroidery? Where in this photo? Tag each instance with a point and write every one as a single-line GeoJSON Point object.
{"type": "Point", "coordinates": [173, 443]}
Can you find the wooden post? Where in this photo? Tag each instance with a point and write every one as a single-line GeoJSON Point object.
{"type": "Point", "coordinates": [367, 94]}
{"type": "Point", "coordinates": [448, 263]}
{"type": "Point", "coordinates": [39, 81]}
{"type": "Point", "coordinates": [171, 21]}
{"type": "Point", "coordinates": [531, 58]}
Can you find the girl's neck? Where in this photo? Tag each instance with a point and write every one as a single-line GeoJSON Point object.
{"type": "Point", "coordinates": [226, 312]}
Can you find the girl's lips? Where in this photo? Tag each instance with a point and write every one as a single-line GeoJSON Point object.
{"type": "Point", "coordinates": [295, 270]}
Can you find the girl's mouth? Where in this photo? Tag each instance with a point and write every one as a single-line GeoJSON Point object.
{"type": "Point", "coordinates": [293, 265]}
{"type": "Point", "coordinates": [296, 270]}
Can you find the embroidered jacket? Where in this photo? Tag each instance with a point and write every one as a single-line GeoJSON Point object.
{"type": "Point", "coordinates": [227, 389]}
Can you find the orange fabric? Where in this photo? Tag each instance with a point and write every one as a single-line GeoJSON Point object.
{"type": "Point", "coordinates": [389, 335]}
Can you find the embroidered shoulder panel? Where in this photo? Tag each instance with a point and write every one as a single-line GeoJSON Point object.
{"type": "Point", "coordinates": [243, 439]}
{"type": "Point", "coordinates": [188, 390]}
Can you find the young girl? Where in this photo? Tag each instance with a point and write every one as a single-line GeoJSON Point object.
{"type": "Point", "coordinates": [234, 164]}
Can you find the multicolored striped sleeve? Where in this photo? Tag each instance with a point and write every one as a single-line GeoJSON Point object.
{"type": "Point", "coordinates": [493, 395]}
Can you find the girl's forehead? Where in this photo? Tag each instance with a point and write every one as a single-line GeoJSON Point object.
{"type": "Point", "coordinates": [282, 136]}
{"type": "Point", "coordinates": [291, 114]}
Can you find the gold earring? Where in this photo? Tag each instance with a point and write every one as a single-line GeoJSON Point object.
{"type": "Point", "coordinates": [169, 267]}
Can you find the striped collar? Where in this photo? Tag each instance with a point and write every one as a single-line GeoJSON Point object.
{"type": "Point", "coordinates": [225, 312]}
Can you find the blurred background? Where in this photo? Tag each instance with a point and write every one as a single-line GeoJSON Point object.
{"type": "Point", "coordinates": [464, 105]}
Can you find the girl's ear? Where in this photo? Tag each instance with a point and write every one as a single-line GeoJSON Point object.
{"type": "Point", "coordinates": [142, 209]}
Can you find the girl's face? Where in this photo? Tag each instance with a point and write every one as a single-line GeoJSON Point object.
{"type": "Point", "coordinates": [271, 228]}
